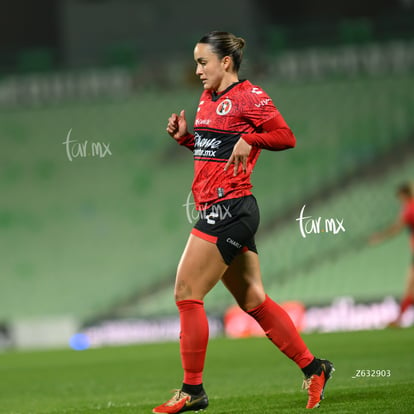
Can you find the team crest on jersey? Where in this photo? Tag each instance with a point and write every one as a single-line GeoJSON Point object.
{"type": "Point", "coordinates": [223, 108]}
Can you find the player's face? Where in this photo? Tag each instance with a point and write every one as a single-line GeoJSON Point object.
{"type": "Point", "coordinates": [210, 69]}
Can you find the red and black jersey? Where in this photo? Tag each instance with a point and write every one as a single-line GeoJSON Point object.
{"type": "Point", "coordinates": [407, 216]}
{"type": "Point", "coordinates": [242, 110]}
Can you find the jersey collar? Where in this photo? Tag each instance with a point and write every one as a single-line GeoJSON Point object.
{"type": "Point", "coordinates": [216, 96]}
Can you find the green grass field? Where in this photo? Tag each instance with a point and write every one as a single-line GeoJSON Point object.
{"type": "Point", "coordinates": [242, 376]}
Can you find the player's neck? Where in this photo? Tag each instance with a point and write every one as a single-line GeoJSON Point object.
{"type": "Point", "coordinates": [227, 81]}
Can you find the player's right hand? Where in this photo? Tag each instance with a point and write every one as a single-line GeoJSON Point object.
{"type": "Point", "coordinates": [177, 125]}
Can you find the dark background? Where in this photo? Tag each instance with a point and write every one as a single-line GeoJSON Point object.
{"type": "Point", "coordinates": [72, 33]}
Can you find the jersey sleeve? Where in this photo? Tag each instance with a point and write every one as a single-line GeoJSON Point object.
{"type": "Point", "coordinates": [275, 135]}
{"type": "Point", "coordinates": [258, 106]}
{"type": "Point", "coordinates": [187, 141]}
{"type": "Point", "coordinates": [272, 132]}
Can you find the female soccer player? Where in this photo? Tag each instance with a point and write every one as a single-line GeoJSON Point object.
{"type": "Point", "coordinates": [234, 121]}
{"type": "Point", "coordinates": [405, 220]}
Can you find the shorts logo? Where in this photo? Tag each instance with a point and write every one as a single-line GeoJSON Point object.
{"type": "Point", "coordinates": [217, 212]}
{"type": "Point", "coordinates": [212, 216]}
{"type": "Point", "coordinates": [224, 107]}
{"type": "Point", "coordinates": [233, 243]}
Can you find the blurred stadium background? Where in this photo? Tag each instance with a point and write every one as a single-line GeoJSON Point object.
{"type": "Point", "coordinates": [95, 206]}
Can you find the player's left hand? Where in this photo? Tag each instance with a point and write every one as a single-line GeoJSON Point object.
{"type": "Point", "coordinates": [375, 239]}
{"type": "Point", "coordinates": [239, 156]}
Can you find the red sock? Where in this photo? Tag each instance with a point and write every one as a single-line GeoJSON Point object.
{"type": "Point", "coordinates": [193, 339]}
{"type": "Point", "coordinates": [405, 304]}
{"type": "Point", "coordinates": [280, 329]}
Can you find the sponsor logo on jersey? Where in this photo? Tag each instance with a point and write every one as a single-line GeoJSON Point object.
{"type": "Point", "coordinates": [257, 91]}
{"type": "Point", "coordinates": [205, 147]}
{"type": "Point", "coordinates": [201, 142]}
{"type": "Point", "coordinates": [224, 107]}
{"type": "Point", "coordinates": [202, 122]}
{"type": "Point", "coordinates": [201, 103]}
{"type": "Point", "coordinates": [263, 102]}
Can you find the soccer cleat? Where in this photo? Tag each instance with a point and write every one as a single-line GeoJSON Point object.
{"type": "Point", "coordinates": [181, 401]}
{"type": "Point", "coordinates": [315, 384]}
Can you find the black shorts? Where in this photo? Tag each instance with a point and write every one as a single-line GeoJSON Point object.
{"type": "Point", "coordinates": [231, 225]}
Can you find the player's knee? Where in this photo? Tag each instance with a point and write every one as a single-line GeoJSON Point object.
{"type": "Point", "coordinates": [251, 301]}
{"type": "Point", "coordinates": [178, 295]}
{"type": "Point", "coordinates": [182, 291]}
{"type": "Point", "coordinates": [248, 306]}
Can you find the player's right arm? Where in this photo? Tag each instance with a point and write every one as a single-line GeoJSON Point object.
{"type": "Point", "coordinates": [387, 233]}
{"type": "Point", "coordinates": [177, 129]}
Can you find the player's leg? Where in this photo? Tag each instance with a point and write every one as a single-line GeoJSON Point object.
{"type": "Point", "coordinates": [200, 268]}
{"type": "Point", "coordinates": [408, 297]}
{"type": "Point", "coordinates": [243, 280]}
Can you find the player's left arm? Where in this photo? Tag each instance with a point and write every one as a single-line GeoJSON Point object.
{"type": "Point", "coordinates": [271, 131]}
{"type": "Point", "coordinates": [275, 136]}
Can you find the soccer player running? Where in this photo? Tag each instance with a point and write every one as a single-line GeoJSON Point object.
{"type": "Point", "coordinates": [235, 120]}
{"type": "Point", "coordinates": [405, 220]}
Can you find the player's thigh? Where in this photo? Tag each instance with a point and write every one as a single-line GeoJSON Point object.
{"type": "Point", "coordinates": [200, 268]}
{"type": "Point", "coordinates": [244, 281]}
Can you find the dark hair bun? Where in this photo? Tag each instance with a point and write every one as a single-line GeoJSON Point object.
{"type": "Point", "coordinates": [241, 42]}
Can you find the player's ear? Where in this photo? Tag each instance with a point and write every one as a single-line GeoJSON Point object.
{"type": "Point", "coordinates": [227, 62]}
